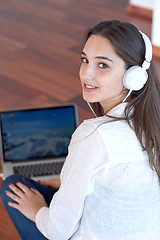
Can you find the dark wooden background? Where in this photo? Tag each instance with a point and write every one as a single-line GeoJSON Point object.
{"type": "Point", "coordinates": [40, 46]}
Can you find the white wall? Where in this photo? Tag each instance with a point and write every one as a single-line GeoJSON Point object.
{"type": "Point", "coordinates": [143, 3]}
{"type": "Point", "coordinates": [156, 24]}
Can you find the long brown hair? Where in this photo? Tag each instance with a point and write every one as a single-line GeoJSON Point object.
{"type": "Point", "coordinates": [144, 105]}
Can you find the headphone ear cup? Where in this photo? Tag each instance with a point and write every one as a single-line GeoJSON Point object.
{"type": "Point", "coordinates": [135, 78]}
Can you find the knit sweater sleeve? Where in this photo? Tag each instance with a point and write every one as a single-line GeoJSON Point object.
{"type": "Point", "coordinates": [86, 155]}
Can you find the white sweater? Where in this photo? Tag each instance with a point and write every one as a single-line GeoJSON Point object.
{"type": "Point", "coordinates": [108, 190]}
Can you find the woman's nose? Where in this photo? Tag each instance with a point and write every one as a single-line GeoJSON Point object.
{"type": "Point", "coordinates": [87, 73]}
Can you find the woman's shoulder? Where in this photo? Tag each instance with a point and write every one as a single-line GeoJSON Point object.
{"type": "Point", "coordinates": [94, 121]}
{"type": "Point", "coordinates": [91, 127]}
{"type": "Point", "coordinates": [88, 127]}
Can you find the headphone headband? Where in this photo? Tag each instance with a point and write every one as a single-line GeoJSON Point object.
{"type": "Point", "coordinates": [148, 51]}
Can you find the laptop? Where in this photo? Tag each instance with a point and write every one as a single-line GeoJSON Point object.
{"type": "Point", "coordinates": [34, 142]}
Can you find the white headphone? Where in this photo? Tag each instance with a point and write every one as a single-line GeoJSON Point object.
{"type": "Point", "coordinates": [135, 77]}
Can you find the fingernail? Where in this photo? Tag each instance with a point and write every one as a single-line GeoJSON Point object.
{"type": "Point", "coordinates": [38, 181]}
{"type": "Point", "coordinates": [8, 203]}
{"type": "Point", "coordinates": [9, 184]}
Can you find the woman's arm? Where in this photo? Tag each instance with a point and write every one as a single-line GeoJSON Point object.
{"type": "Point", "coordinates": [62, 219]}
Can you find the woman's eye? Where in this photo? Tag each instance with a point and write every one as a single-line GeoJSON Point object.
{"type": "Point", "coordinates": [84, 60]}
{"type": "Point", "coordinates": [103, 65]}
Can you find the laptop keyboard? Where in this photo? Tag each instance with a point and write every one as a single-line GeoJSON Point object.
{"type": "Point", "coordinates": [39, 169]}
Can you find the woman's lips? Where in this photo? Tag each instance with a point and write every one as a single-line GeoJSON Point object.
{"type": "Point", "coordinates": [89, 88]}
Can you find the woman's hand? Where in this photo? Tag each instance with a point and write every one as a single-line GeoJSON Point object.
{"type": "Point", "coordinates": [53, 183]}
{"type": "Point", "coordinates": [28, 201]}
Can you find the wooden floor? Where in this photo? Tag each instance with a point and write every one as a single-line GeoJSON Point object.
{"type": "Point", "coordinates": [40, 45]}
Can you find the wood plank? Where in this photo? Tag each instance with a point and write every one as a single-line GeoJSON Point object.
{"type": "Point", "coordinates": [156, 51]}
{"type": "Point", "coordinates": [139, 11]}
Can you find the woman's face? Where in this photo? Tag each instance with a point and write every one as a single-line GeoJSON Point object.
{"type": "Point", "coordinates": [101, 73]}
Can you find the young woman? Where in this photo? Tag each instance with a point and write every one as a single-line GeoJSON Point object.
{"type": "Point", "coordinates": [110, 181]}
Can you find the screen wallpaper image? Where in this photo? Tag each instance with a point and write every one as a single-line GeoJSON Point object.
{"type": "Point", "coordinates": [37, 134]}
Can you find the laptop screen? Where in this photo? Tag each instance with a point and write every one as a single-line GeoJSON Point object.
{"type": "Point", "coordinates": [34, 134]}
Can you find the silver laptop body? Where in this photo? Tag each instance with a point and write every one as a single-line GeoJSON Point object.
{"type": "Point", "coordinates": [34, 141]}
